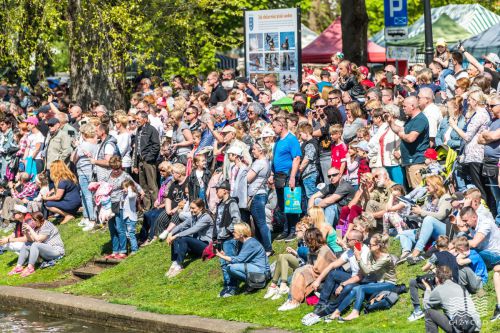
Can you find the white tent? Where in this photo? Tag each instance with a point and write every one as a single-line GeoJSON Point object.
{"type": "Point", "coordinates": [307, 36]}
{"type": "Point", "coordinates": [473, 18]}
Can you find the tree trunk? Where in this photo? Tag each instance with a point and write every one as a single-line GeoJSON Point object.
{"type": "Point", "coordinates": [355, 31]}
{"type": "Point", "coordinates": [92, 77]}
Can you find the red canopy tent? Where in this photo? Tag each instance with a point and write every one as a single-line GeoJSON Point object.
{"type": "Point", "coordinates": [330, 42]}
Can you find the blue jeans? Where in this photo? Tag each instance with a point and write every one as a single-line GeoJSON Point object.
{"type": "Point", "coordinates": [359, 293]}
{"type": "Point", "coordinates": [237, 272]}
{"type": "Point", "coordinates": [490, 258]}
{"type": "Point", "coordinates": [330, 284]}
{"type": "Point", "coordinates": [130, 233]}
{"type": "Point", "coordinates": [396, 174]}
{"type": "Point", "coordinates": [148, 228]}
{"type": "Point", "coordinates": [258, 211]}
{"type": "Point", "coordinates": [184, 245]}
{"type": "Point", "coordinates": [309, 184]}
{"type": "Point", "coordinates": [230, 248]}
{"type": "Point", "coordinates": [118, 235]}
{"type": "Point", "coordinates": [495, 190]}
{"type": "Point", "coordinates": [87, 199]}
{"type": "Point", "coordinates": [407, 239]}
{"type": "Point", "coordinates": [431, 228]}
{"type": "Point", "coordinates": [331, 213]}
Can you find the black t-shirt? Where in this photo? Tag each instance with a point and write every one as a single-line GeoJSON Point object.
{"type": "Point", "coordinates": [344, 189]}
{"type": "Point", "coordinates": [495, 77]}
{"type": "Point", "coordinates": [219, 94]}
{"type": "Point", "coordinates": [176, 193]}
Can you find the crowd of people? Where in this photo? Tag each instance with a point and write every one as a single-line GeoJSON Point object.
{"type": "Point", "coordinates": [212, 168]}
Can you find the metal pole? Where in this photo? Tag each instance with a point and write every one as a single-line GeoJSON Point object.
{"type": "Point", "coordinates": [428, 32]}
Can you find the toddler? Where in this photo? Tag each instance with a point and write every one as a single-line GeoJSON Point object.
{"type": "Point", "coordinates": [102, 200]}
{"type": "Point", "coordinates": [432, 167]}
{"type": "Point", "coordinates": [395, 210]}
{"type": "Point", "coordinates": [129, 206]}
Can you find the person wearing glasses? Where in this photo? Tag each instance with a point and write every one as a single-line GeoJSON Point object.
{"type": "Point", "coordinates": [335, 99]}
{"type": "Point", "coordinates": [265, 98]}
{"type": "Point", "coordinates": [270, 84]}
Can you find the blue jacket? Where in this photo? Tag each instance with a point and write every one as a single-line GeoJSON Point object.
{"type": "Point", "coordinates": [252, 252]}
{"type": "Point", "coordinates": [455, 139]}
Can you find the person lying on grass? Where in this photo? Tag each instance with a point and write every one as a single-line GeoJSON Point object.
{"type": "Point", "coordinates": [43, 241]}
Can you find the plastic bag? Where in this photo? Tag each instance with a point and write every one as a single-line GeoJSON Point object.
{"type": "Point", "coordinates": [293, 200]}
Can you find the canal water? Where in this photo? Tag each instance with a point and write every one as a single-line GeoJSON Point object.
{"type": "Point", "coordinates": [25, 321]}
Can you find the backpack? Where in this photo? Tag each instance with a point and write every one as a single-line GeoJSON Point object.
{"type": "Point", "coordinates": [108, 140]}
{"type": "Point", "coordinates": [382, 301]}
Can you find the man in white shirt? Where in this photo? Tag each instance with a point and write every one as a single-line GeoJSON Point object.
{"type": "Point", "coordinates": [431, 111]}
{"type": "Point", "coordinates": [270, 83]}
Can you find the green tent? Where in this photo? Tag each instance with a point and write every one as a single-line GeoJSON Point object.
{"type": "Point", "coordinates": [444, 28]}
{"type": "Point", "coordinates": [285, 103]}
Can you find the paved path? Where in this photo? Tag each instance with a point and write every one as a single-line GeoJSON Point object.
{"type": "Point", "coordinates": [119, 316]}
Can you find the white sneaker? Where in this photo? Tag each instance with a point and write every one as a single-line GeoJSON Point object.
{"type": "Point", "coordinates": [281, 292]}
{"type": "Point", "coordinates": [271, 291]}
{"type": "Point", "coordinates": [163, 235]}
{"type": "Point", "coordinates": [83, 222]}
{"type": "Point", "coordinates": [288, 305]}
{"type": "Point", "coordinates": [176, 271]}
{"type": "Point", "coordinates": [416, 316]}
{"type": "Point", "coordinates": [90, 226]}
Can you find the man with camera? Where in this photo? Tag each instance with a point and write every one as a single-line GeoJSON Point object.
{"type": "Point", "coordinates": [459, 311]}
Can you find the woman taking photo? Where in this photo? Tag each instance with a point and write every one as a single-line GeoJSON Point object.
{"type": "Point", "coordinates": [446, 135]}
{"type": "Point", "coordinates": [182, 139]}
{"type": "Point", "coordinates": [353, 122]}
{"type": "Point", "coordinates": [251, 258]}
{"type": "Point", "coordinates": [43, 241]}
{"type": "Point", "coordinates": [65, 198]}
{"type": "Point", "coordinates": [190, 237]}
{"type": "Point", "coordinates": [379, 275]}
{"type": "Point", "coordinates": [257, 176]}
{"type": "Point", "coordinates": [435, 212]}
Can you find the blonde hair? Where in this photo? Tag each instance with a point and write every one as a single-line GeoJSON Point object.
{"type": "Point", "coordinates": [478, 96]}
{"type": "Point", "coordinates": [59, 171]}
{"type": "Point", "coordinates": [436, 182]}
{"type": "Point", "coordinates": [424, 76]}
{"type": "Point", "coordinates": [88, 130]}
{"type": "Point", "coordinates": [167, 166]}
{"type": "Point", "coordinates": [179, 168]}
{"type": "Point", "coordinates": [243, 229]}
{"type": "Point", "coordinates": [462, 244]}
{"type": "Point", "coordinates": [317, 216]}
{"type": "Point", "coordinates": [176, 115]}
{"type": "Point", "coordinates": [325, 92]}
{"type": "Point", "coordinates": [122, 119]}
{"type": "Point", "coordinates": [335, 129]}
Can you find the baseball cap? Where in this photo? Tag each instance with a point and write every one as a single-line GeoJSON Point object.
{"type": "Point", "coordinates": [228, 129]}
{"type": "Point", "coordinates": [43, 109]}
{"type": "Point", "coordinates": [325, 73]}
{"type": "Point", "coordinates": [20, 209]}
{"type": "Point", "coordinates": [493, 58]}
{"type": "Point", "coordinates": [52, 121]}
{"type": "Point", "coordinates": [431, 154]}
{"type": "Point", "coordinates": [241, 79]}
{"type": "Point", "coordinates": [267, 132]}
{"type": "Point", "coordinates": [441, 42]}
{"type": "Point", "coordinates": [223, 185]}
{"type": "Point", "coordinates": [363, 145]}
{"type": "Point", "coordinates": [32, 120]}
{"type": "Point", "coordinates": [235, 150]}
{"type": "Point", "coordinates": [364, 70]}
{"type": "Point", "coordinates": [411, 78]}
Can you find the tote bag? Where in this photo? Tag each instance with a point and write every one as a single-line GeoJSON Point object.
{"type": "Point", "coordinates": [293, 200]}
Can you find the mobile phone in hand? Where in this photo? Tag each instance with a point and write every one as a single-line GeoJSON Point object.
{"type": "Point", "coordinates": [358, 245]}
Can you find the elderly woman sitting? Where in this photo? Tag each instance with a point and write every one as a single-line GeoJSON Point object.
{"type": "Point", "coordinates": [20, 193]}
{"type": "Point", "coordinates": [43, 241]}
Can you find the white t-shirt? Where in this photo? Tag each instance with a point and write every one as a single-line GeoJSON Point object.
{"type": "Point", "coordinates": [33, 139]}
{"type": "Point", "coordinates": [124, 143]}
{"type": "Point", "coordinates": [491, 232]}
{"type": "Point", "coordinates": [348, 256]}
{"type": "Point", "coordinates": [278, 94]}
{"type": "Point", "coordinates": [156, 123]}
{"type": "Point", "coordinates": [434, 117]}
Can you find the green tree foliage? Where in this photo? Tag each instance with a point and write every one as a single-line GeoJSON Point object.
{"type": "Point", "coordinates": [375, 9]}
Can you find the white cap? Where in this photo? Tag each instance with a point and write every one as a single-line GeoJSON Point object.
{"type": "Point", "coordinates": [267, 132]}
{"type": "Point", "coordinates": [20, 209]}
{"type": "Point", "coordinates": [235, 150]}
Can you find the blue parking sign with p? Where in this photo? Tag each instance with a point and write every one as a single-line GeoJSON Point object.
{"type": "Point", "coordinates": [396, 13]}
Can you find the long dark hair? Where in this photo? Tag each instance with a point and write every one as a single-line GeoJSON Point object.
{"type": "Point", "coordinates": [200, 204]}
{"type": "Point", "coordinates": [314, 239]}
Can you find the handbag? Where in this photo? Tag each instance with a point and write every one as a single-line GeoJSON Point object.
{"type": "Point", "coordinates": [255, 280]}
{"type": "Point", "coordinates": [490, 167]}
{"type": "Point", "coordinates": [293, 200]}
{"type": "Point", "coordinates": [462, 321]}
{"type": "Point", "coordinates": [280, 179]}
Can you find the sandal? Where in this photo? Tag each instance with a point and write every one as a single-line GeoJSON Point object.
{"type": "Point", "coordinates": [120, 256]}
{"type": "Point", "coordinates": [110, 256]}
{"type": "Point", "coordinates": [16, 270]}
{"type": "Point", "coordinates": [28, 271]}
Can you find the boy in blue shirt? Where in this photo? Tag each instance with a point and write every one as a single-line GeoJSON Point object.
{"type": "Point", "coordinates": [469, 258]}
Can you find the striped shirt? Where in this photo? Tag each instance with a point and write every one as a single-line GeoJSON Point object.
{"type": "Point", "coordinates": [54, 238]}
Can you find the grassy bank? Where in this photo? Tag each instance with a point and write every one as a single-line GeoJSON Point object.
{"type": "Point", "coordinates": [140, 281]}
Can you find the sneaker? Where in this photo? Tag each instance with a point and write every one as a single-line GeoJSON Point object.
{"type": "Point", "coordinates": [16, 270]}
{"type": "Point", "coordinates": [229, 292]}
{"type": "Point", "coordinates": [416, 315]}
{"type": "Point", "coordinates": [175, 271]}
{"type": "Point", "coordinates": [281, 292]}
{"type": "Point", "coordinates": [27, 271]}
{"type": "Point", "coordinates": [291, 238]}
{"type": "Point", "coordinates": [163, 235]}
{"type": "Point", "coordinates": [281, 236]}
{"type": "Point", "coordinates": [90, 226]}
{"type": "Point", "coordinates": [120, 256]}
{"type": "Point", "coordinates": [110, 256]}
{"type": "Point", "coordinates": [310, 319]}
{"type": "Point", "coordinates": [271, 291]}
{"type": "Point", "coordinates": [411, 260]}
{"type": "Point", "coordinates": [288, 305]}
{"type": "Point", "coordinates": [83, 222]}
{"type": "Point", "coordinates": [496, 314]}
{"type": "Point", "coordinates": [270, 253]}
{"type": "Point", "coordinates": [222, 292]}
{"type": "Point", "coordinates": [403, 257]}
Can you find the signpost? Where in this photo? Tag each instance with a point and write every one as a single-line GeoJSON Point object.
{"type": "Point", "coordinates": [272, 46]}
{"type": "Point", "coordinates": [396, 19]}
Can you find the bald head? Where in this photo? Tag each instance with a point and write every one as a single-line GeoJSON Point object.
{"type": "Point", "coordinates": [410, 106]}
{"type": "Point", "coordinates": [390, 68]}
{"type": "Point", "coordinates": [356, 235]}
{"type": "Point", "coordinates": [425, 97]}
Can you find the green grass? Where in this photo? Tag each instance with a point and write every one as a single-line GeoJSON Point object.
{"type": "Point", "coordinates": [140, 281]}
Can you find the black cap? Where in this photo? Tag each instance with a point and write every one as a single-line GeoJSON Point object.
{"type": "Point", "coordinates": [224, 185]}
{"type": "Point", "coordinates": [325, 73]}
{"type": "Point", "coordinates": [241, 79]}
{"type": "Point", "coordinates": [52, 121]}
{"type": "Point", "coordinates": [44, 109]}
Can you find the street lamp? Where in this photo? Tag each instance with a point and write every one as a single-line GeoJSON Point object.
{"type": "Point", "coordinates": [428, 33]}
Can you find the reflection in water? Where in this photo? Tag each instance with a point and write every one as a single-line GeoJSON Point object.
{"type": "Point", "coordinates": [25, 321]}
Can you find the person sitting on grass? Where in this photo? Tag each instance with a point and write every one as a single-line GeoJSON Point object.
{"type": "Point", "coordinates": [15, 241]}
{"type": "Point", "coordinates": [190, 237]}
{"type": "Point", "coordinates": [251, 257]}
{"type": "Point", "coordinates": [65, 199]}
{"type": "Point", "coordinates": [20, 193]}
{"type": "Point", "coordinates": [43, 241]}
{"type": "Point", "coordinates": [318, 219]}
{"type": "Point", "coordinates": [286, 261]}
{"type": "Point", "coordinates": [320, 256]}
{"type": "Point", "coordinates": [472, 272]}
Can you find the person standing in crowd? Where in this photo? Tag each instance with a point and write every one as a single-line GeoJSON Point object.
{"type": "Point", "coordinates": [146, 150]}
{"type": "Point", "coordinates": [33, 152]}
{"type": "Point", "coordinates": [57, 144]}
{"type": "Point", "coordinates": [217, 92]}
{"type": "Point", "coordinates": [107, 148]}
{"type": "Point", "coordinates": [286, 160]}
{"type": "Point", "coordinates": [431, 111]}
{"type": "Point", "coordinates": [414, 137]}
{"type": "Point", "coordinates": [270, 84]}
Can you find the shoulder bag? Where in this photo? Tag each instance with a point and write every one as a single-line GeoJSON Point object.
{"type": "Point", "coordinates": [255, 280]}
{"type": "Point", "coordinates": [462, 321]}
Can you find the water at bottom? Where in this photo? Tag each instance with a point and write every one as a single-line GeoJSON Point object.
{"type": "Point", "coordinates": [27, 321]}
